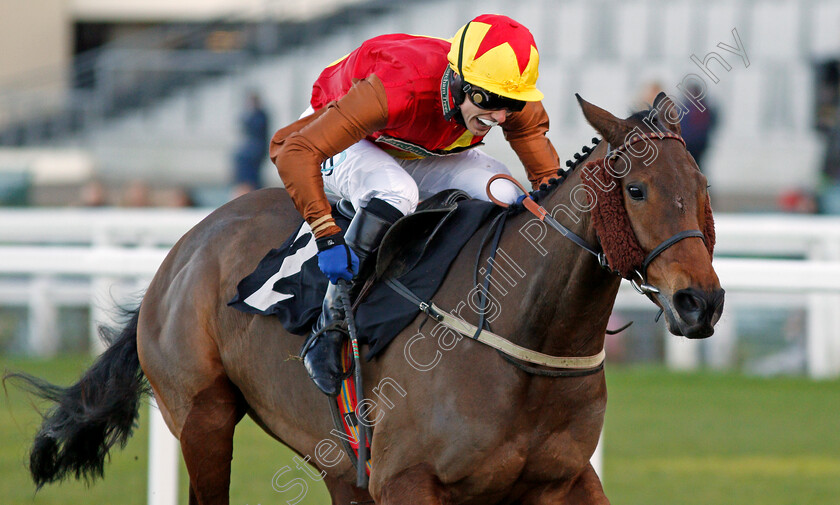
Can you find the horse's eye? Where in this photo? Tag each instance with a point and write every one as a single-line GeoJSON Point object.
{"type": "Point", "coordinates": [635, 192]}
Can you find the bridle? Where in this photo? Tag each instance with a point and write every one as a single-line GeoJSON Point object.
{"type": "Point", "coordinates": [639, 282]}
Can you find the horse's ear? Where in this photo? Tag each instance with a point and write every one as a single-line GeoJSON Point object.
{"type": "Point", "coordinates": [613, 129]}
{"type": "Point", "coordinates": [667, 112]}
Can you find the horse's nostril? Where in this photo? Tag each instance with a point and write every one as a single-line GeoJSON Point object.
{"type": "Point", "coordinates": [717, 299]}
{"type": "Point", "coordinates": [690, 303]}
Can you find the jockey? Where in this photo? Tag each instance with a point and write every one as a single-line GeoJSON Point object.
{"type": "Point", "coordinates": [399, 117]}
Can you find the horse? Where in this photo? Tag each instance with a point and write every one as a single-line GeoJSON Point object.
{"type": "Point", "coordinates": [471, 429]}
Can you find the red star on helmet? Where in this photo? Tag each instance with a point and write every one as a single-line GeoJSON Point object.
{"type": "Point", "coordinates": [505, 30]}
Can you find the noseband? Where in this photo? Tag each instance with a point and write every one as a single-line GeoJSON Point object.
{"type": "Point", "coordinates": [638, 277]}
{"type": "Point", "coordinates": [640, 284]}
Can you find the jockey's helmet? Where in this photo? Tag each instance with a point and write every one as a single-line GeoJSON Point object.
{"type": "Point", "coordinates": [499, 55]}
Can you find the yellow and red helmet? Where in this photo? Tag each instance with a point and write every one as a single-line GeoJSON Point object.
{"type": "Point", "coordinates": [498, 54]}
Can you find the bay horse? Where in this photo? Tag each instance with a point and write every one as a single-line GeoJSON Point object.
{"type": "Point", "coordinates": [475, 429]}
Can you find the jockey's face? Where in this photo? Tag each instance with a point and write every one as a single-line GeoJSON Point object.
{"type": "Point", "coordinates": [478, 120]}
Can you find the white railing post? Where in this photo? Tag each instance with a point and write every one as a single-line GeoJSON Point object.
{"type": "Point", "coordinates": [163, 461]}
{"type": "Point", "coordinates": [681, 353]}
{"type": "Point", "coordinates": [817, 336]}
{"type": "Point", "coordinates": [823, 328]}
{"type": "Point", "coordinates": [832, 253]}
{"type": "Point", "coordinates": [721, 345]}
{"type": "Point", "coordinates": [597, 458]}
{"type": "Point", "coordinates": [100, 293]}
{"type": "Point", "coordinates": [109, 295]}
{"type": "Point", "coordinates": [43, 319]}
{"type": "Point", "coordinates": [100, 298]}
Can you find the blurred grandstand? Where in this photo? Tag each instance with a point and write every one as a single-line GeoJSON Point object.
{"type": "Point", "coordinates": [152, 89]}
{"type": "Point", "coordinates": [147, 93]}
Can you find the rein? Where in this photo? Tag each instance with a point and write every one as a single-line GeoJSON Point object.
{"type": "Point", "coordinates": [538, 210]}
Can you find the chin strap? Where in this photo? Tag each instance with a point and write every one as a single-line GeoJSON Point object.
{"type": "Point", "coordinates": [451, 90]}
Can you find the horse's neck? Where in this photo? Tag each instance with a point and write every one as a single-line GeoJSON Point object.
{"type": "Point", "coordinates": [564, 296]}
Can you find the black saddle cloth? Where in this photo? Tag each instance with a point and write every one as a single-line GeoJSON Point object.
{"type": "Point", "coordinates": [417, 251]}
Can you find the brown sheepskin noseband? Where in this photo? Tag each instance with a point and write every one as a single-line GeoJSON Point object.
{"type": "Point", "coordinates": [609, 217]}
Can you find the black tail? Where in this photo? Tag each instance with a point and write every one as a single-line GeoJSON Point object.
{"type": "Point", "coordinates": [90, 416]}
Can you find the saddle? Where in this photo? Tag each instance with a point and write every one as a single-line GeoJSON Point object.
{"type": "Point", "coordinates": [409, 238]}
{"type": "Point", "coordinates": [417, 251]}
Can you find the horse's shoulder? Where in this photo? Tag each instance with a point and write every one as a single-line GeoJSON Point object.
{"type": "Point", "coordinates": [242, 229]}
{"type": "Point", "coordinates": [263, 202]}
{"type": "Point", "coordinates": [250, 214]}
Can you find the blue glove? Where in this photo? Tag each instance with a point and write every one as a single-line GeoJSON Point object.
{"type": "Point", "coordinates": [521, 199]}
{"type": "Point", "coordinates": [336, 259]}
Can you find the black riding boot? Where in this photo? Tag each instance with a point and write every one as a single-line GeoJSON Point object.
{"type": "Point", "coordinates": [323, 355]}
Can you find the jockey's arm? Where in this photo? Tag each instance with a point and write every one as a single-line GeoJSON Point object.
{"type": "Point", "coordinates": [299, 149]}
{"type": "Point", "coordinates": [525, 131]}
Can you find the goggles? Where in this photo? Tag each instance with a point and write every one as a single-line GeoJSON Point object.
{"type": "Point", "coordinates": [486, 100]}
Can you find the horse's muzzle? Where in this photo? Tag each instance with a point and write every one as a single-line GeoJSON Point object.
{"type": "Point", "coordinates": [698, 311]}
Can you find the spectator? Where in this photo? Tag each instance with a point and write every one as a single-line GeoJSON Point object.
{"type": "Point", "coordinates": [177, 197]}
{"type": "Point", "coordinates": [829, 198]}
{"type": "Point", "coordinates": [797, 201]}
{"type": "Point", "coordinates": [648, 93]}
{"type": "Point", "coordinates": [93, 194]}
{"type": "Point", "coordinates": [136, 194]}
{"type": "Point", "coordinates": [697, 126]}
{"type": "Point", "coordinates": [250, 155]}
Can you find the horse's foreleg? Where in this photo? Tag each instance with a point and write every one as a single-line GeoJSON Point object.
{"type": "Point", "coordinates": [586, 489]}
{"type": "Point", "coordinates": [342, 492]}
{"type": "Point", "coordinates": [417, 485]}
{"type": "Point", "coordinates": [193, 497]}
{"type": "Point", "coordinates": [207, 442]}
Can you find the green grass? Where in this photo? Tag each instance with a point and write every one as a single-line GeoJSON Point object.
{"type": "Point", "coordinates": [721, 439]}
{"type": "Point", "coordinates": [670, 439]}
